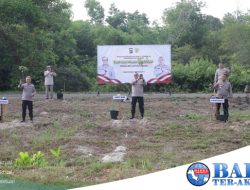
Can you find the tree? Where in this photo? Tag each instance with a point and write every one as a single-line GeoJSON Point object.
{"type": "Point", "coordinates": [184, 23]}
{"type": "Point", "coordinates": [28, 37]}
{"type": "Point", "coordinates": [127, 22]}
{"type": "Point", "coordinates": [95, 11]}
{"type": "Point", "coordinates": [236, 17]}
{"type": "Point", "coordinates": [212, 23]}
{"type": "Point", "coordinates": [137, 22]}
{"type": "Point", "coordinates": [117, 18]}
{"type": "Point", "coordinates": [236, 44]}
{"type": "Point", "coordinates": [212, 40]}
{"type": "Point", "coordinates": [185, 54]}
{"type": "Point", "coordinates": [84, 36]}
{"type": "Point", "coordinates": [107, 35]}
{"type": "Point", "coordinates": [211, 48]}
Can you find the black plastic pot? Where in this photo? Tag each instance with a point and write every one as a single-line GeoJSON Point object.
{"type": "Point", "coordinates": [114, 114]}
{"type": "Point", "coordinates": [222, 118]}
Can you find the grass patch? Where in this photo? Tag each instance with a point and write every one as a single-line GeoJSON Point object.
{"type": "Point", "coordinates": [166, 139]}
{"type": "Point", "coordinates": [178, 131]}
{"type": "Point", "coordinates": [239, 116]}
{"type": "Point", "coordinates": [86, 114]}
{"type": "Point", "coordinates": [141, 164]}
{"type": "Point", "coordinates": [90, 125]}
{"type": "Point", "coordinates": [199, 144]}
{"type": "Point", "coordinates": [246, 137]}
{"type": "Point", "coordinates": [53, 134]}
{"type": "Point", "coordinates": [96, 168]}
{"type": "Point", "coordinates": [194, 116]}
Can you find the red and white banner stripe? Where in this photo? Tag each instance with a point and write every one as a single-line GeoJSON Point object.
{"type": "Point", "coordinates": [166, 79]}
{"type": "Point", "coordinates": [101, 79]}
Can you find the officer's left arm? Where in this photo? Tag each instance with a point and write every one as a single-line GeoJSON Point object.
{"type": "Point", "coordinates": [230, 93]}
{"type": "Point", "coordinates": [33, 91]}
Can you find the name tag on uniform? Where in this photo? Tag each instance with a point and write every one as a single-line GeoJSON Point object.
{"type": "Point", "coordinates": [4, 101]}
{"type": "Point", "coordinates": [215, 100]}
{"type": "Point", "coordinates": [119, 97]}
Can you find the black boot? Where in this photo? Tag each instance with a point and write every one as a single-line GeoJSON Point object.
{"type": "Point", "coordinates": [132, 116]}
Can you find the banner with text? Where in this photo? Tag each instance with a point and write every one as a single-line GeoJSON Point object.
{"type": "Point", "coordinates": [118, 64]}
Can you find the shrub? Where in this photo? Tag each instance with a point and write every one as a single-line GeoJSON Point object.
{"type": "Point", "coordinates": [37, 159]}
{"type": "Point", "coordinates": [195, 76]}
{"type": "Point", "coordinates": [239, 77]}
{"type": "Point", "coordinates": [24, 159]}
{"type": "Point", "coordinates": [56, 153]}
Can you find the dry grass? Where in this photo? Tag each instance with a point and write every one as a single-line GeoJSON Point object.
{"type": "Point", "coordinates": [175, 131]}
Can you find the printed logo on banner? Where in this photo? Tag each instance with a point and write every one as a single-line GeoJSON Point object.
{"type": "Point", "coordinates": [131, 50]}
{"type": "Point", "coordinates": [198, 174]}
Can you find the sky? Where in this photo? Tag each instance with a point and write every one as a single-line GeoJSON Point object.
{"type": "Point", "coordinates": [154, 8]}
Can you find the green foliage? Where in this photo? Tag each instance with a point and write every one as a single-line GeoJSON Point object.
{"type": "Point", "coordinates": [185, 23]}
{"type": "Point", "coordinates": [37, 159]}
{"type": "Point", "coordinates": [41, 33]}
{"type": "Point", "coordinates": [197, 75]}
{"type": "Point", "coordinates": [95, 11]}
{"type": "Point", "coordinates": [24, 159]}
{"type": "Point", "coordinates": [184, 54]}
{"type": "Point", "coordinates": [83, 35]}
{"type": "Point", "coordinates": [140, 164]}
{"type": "Point", "coordinates": [239, 77]}
{"type": "Point", "coordinates": [71, 79]}
{"type": "Point", "coordinates": [194, 116]}
{"type": "Point", "coordinates": [28, 38]}
{"type": "Point", "coordinates": [211, 48]}
{"type": "Point", "coordinates": [22, 69]}
{"type": "Point", "coordinates": [56, 153]}
{"type": "Point", "coordinates": [117, 18]}
{"type": "Point", "coordinates": [236, 43]}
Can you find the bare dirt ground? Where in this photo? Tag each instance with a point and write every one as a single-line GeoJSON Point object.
{"type": "Point", "coordinates": [176, 130]}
